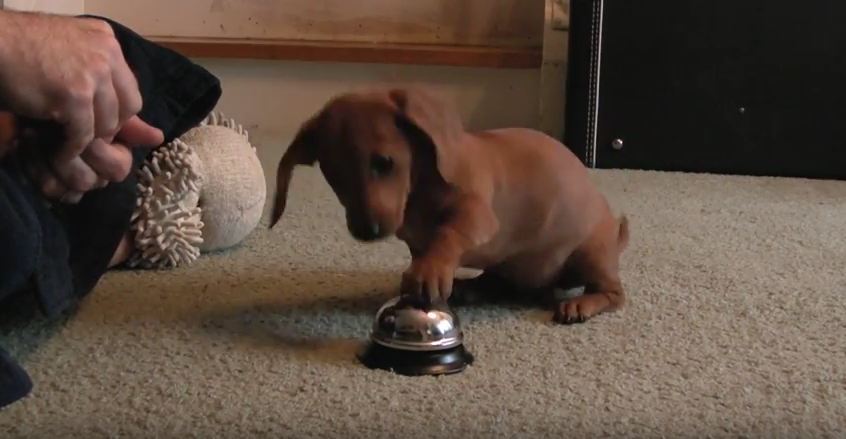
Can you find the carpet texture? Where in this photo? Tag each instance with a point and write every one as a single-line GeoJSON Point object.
{"type": "Point", "coordinates": [736, 327]}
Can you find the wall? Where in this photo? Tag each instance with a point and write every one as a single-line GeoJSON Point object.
{"type": "Point", "coordinates": [510, 23]}
{"type": "Point", "coordinates": [553, 71]}
{"type": "Point", "coordinates": [68, 7]}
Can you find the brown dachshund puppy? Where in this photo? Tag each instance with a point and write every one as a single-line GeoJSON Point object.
{"type": "Point", "coordinates": [513, 202]}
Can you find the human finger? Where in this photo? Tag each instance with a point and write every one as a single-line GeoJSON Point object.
{"type": "Point", "coordinates": [111, 161]}
{"type": "Point", "coordinates": [42, 177]}
{"type": "Point", "coordinates": [71, 197]}
{"type": "Point", "coordinates": [79, 129]}
{"type": "Point", "coordinates": [106, 111]}
{"type": "Point", "coordinates": [76, 175]}
{"type": "Point", "coordinates": [136, 132]}
{"type": "Point", "coordinates": [126, 90]}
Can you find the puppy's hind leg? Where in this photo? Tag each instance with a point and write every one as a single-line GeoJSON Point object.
{"type": "Point", "coordinates": [597, 263]}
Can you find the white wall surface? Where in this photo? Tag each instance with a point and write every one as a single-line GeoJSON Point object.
{"type": "Point", "coordinates": [67, 7]}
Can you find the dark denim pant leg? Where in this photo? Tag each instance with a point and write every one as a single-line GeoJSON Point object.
{"type": "Point", "coordinates": [14, 381]}
{"type": "Point", "coordinates": [19, 244]}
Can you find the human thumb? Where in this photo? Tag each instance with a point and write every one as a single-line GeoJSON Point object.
{"type": "Point", "coordinates": [137, 133]}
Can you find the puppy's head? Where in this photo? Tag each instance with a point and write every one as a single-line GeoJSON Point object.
{"type": "Point", "coordinates": [372, 149]}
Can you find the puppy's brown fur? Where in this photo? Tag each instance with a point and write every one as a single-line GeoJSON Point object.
{"type": "Point", "coordinates": [512, 202]}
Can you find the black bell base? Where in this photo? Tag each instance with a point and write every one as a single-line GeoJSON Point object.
{"type": "Point", "coordinates": [415, 363]}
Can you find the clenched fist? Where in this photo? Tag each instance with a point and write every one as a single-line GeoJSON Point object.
{"type": "Point", "coordinates": [72, 71]}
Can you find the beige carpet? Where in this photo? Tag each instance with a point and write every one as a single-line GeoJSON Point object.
{"type": "Point", "coordinates": [736, 327]}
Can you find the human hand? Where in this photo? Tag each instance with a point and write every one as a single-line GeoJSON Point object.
{"type": "Point", "coordinates": [72, 71]}
{"type": "Point", "coordinates": [38, 141]}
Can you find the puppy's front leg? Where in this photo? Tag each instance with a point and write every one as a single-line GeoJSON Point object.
{"type": "Point", "coordinates": [471, 223]}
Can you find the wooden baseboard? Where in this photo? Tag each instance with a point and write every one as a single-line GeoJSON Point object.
{"type": "Point", "coordinates": [445, 55]}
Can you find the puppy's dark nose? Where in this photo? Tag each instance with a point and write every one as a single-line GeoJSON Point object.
{"type": "Point", "coordinates": [375, 230]}
{"type": "Point", "coordinates": [369, 232]}
{"type": "Point", "coordinates": [366, 231]}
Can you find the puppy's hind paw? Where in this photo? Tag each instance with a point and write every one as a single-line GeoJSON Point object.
{"type": "Point", "coordinates": [565, 318]}
{"type": "Point", "coordinates": [577, 310]}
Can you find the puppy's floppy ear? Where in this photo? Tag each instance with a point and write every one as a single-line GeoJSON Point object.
{"type": "Point", "coordinates": [302, 151]}
{"type": "Point", "coordinates": [437, 120]}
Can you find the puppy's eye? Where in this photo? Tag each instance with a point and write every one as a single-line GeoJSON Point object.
{"type": "Point", "coordinates": [381, 165]}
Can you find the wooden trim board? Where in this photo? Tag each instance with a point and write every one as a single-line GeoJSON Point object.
{"type": "Point", "coordinates": [331, 51]}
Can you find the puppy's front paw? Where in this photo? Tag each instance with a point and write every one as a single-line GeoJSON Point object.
{"type": "Point", "coordinates": [429, 279]}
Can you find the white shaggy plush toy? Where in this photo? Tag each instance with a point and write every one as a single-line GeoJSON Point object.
{"type": "Point", "coordinates": [202, 192]}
